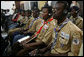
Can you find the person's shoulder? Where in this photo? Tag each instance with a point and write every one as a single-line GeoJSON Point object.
{"type": "Point", "coordinates": [80, 18]}
{"type": "Point", "coordinates": [72, 26]}
{"type": "Point", "coordinates": [39, 20]}
{"type": "Point", "coordinates": [31, 18]}
{"type": "Point", "coordinates": [74, 29]}
{"type": "Point", "coordinates": [70, 17]}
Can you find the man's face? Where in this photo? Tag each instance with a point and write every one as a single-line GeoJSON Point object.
{"type": "Point", "coordinates": [73, 12]}
{"type": "Point", "coordinates": [35, 13]}
{"type": "Point", "coordinates": [58, 11]}
{"type": "Point", "coordinates": [44, 13]}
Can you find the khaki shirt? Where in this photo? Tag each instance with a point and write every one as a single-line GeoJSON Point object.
{"type": "Point", "coordinates": [81, 50]}
{"type": "Point", "coordinates": [36, 25]}
{"type": "Point", "coordinates": [69, 40]}
{"type": "Point", "coordinates": [28, 23]}
{"type": "Point", "coordinates": [78, 21]}
{"type": "Point", "coordinates": [45, 34]}
{"type": "Point", "coordinates": [19, 29]}
{"type": "Point", "coordinates": [25, 20]}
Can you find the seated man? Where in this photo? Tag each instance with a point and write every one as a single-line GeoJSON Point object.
{"type": "Point", "coordinates": [20, 31]}
{"type": "Point", "coordinates": [44, 32]}
{"type": "Point", "coordinates": [16, 23]}
{"type": "Point", "coordinates": [25, 21]}
{"type": "Point", "coordinates": [68, 37]}
{"type": "Point", "coordinates": [36, 17]}
{"type": "Point", "coordinates": [14, 17]}
{"type": "Point", "coordinates": [13, 26]}
{"type": "Point", "coordinates": [75, 18]}
{"type": "Point", "coordinates": [27, 17]}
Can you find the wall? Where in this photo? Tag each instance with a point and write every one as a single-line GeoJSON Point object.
{"type": "Point", "coordinates": [41, 4]}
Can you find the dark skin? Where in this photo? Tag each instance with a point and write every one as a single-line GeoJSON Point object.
{"type": "Point", "coordinates": [35, 15]}
{"type": "Point", "coordinates": [73, 13]}
{"type": "Point", "coordinates": [45, 17]}
{"type": "Point", "coordinates": [28, 15]}
{"type": "Point", "coordinates": [45, 14]}
{"type": "Point", "coordinates": [57, 15]}
{"type": "Point", "coordinates": [21, 30]}
{"type": "Point", "coordinates": [34, 45]}
{"type": "Point", "coordinates": [28, 47]}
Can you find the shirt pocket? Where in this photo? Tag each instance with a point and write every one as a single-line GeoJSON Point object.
{"type": "Point", "coordinates": [64, 39]}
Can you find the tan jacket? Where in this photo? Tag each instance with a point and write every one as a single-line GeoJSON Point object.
{"type": "Point", "coordinates": [25, 20]}
{"type": "Point", "coordinates": [36, 25]}
{"type": "Point", "coordinates": [78, 21]}
{"type": "Point", "coordinates": [19, 29]}
{"type": "Point", "coordinates": [46, 35]}
{"type": "Point", "coordinates": [69, 40]}
{"type": "Point", "coordinates": [28, 23]}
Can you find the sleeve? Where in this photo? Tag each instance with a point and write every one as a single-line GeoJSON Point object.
{"type": "Point", "coordinates": [81, 50]}
{"type": "Point", "coordinates": [47, 39]}
{"type": "Point", "coordinates": [13, 30]}
{"type": "Point", "coordinates": [33, 28]}
{"type": "Point", "coordinates": [81, 25]}
{"type": "Point", "coordinates": [26, 20]}
{"type": "Point", "coordinates": [22, 20]}
{"type": "Point", "coordinates": [27, 25]}
{"type": "Point", "coordinates": [75, 43]}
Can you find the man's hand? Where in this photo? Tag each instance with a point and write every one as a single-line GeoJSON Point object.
{"type": "Point", "coordinates": [26, 45]}
{"type": "Point", "coordinates": [33, 53]}
{"type": "Point", "coordinates": [42, 50]}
